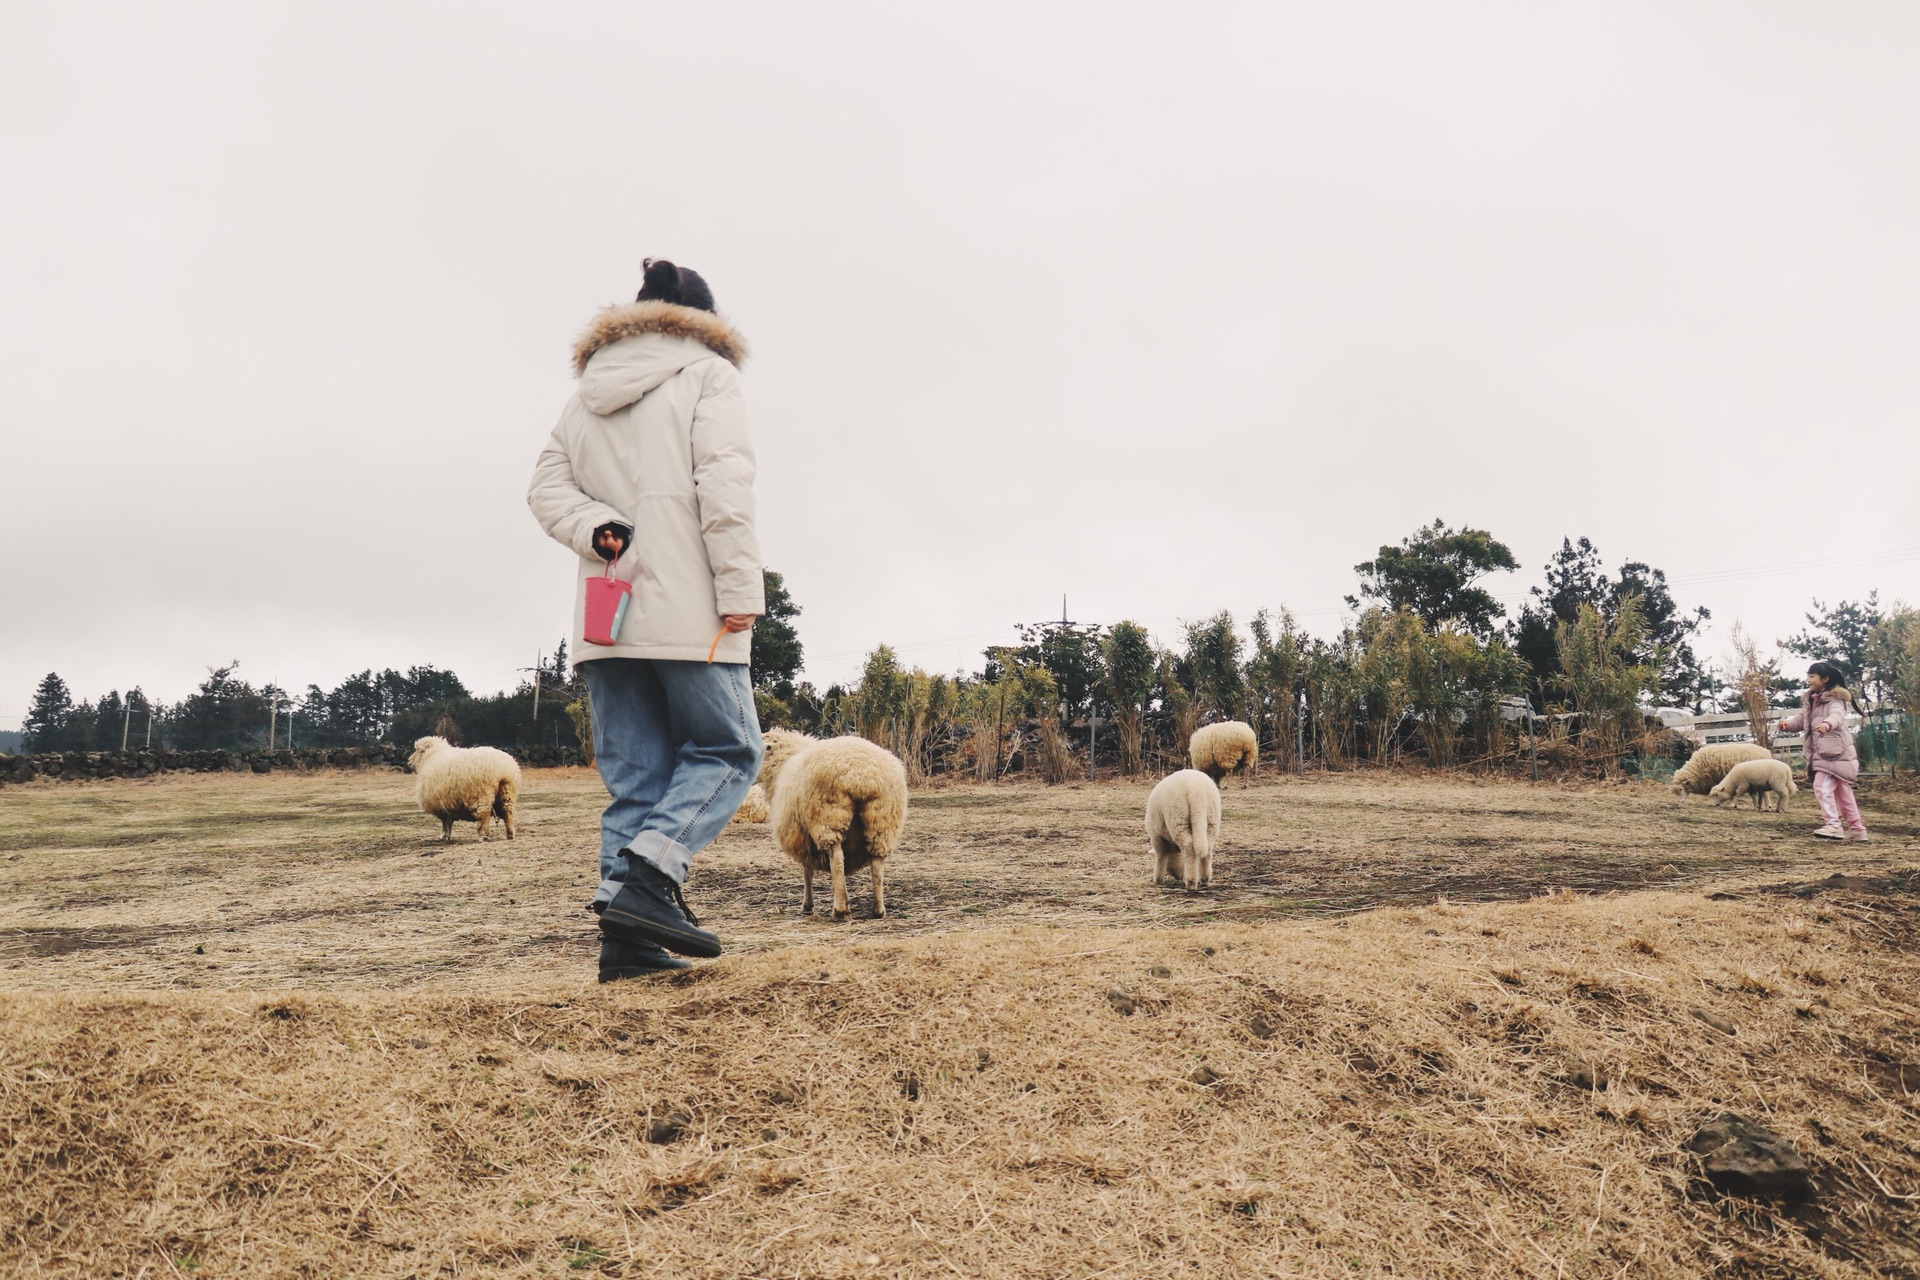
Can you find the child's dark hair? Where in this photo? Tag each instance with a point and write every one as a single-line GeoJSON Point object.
{"type": "Point", "coordinates": [681, 286]}
{"type": "Point", "coordinates": [1830, 673]}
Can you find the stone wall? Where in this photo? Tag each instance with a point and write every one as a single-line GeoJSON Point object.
{"type": "Point", "coordinates": [76, 766]}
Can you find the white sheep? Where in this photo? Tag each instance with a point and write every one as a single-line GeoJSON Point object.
{"type": "Point", "coordinates": [1705, 767]}
{"type": "Point", "coordinates": [754, 807]}
{"type": "Point", "coordinates": [465, 784]}
{"type": "Point", "coordinates": [1183, 826]}
{"type": "Point", "coordinates": [836, 806]}
{"type": "Point", "coordinates": [1227, 747]}
{"type": "Point", "coordinates": [1759, 779]}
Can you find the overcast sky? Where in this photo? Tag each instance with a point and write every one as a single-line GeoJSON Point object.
{"type": "Point", "coordinates": [1169, 308]}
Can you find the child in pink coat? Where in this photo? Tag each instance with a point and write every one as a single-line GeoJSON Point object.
{"type": "Point", "coordinates": [1830, 754]}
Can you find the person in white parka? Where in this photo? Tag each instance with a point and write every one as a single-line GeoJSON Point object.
{"type": "Point", "coordinates": [650, 471]}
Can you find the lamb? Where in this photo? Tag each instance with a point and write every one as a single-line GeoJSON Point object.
{"type": "Point", "coordinates": [1227, 747]}
{"type": "Point", "coordinates": [465, 784]}
{"type": "Point", "coordinates": [1704, 769]}
{"type": "Point", "coordinates": [1758, 778]}
{"type": "Point", "coordinates": [1183, 826]}
{"type": "Point", "coordinates": [836, 806]}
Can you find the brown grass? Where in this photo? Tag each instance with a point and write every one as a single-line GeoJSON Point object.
{"type": "Point", "coordinates": [262, 1027]}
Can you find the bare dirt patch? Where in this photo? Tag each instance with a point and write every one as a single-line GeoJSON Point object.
{"type": "Point", "coordinates": [336, 880]}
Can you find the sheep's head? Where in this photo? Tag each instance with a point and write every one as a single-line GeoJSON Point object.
{"type": "Point", "coordinates": [782, 746]}
{"type": "Point", "coordinates": [424, 747]}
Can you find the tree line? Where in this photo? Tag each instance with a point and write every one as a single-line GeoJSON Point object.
{"type": "Point", "coordinates": [1429, 666]}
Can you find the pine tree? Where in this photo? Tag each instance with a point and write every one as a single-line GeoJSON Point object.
{"type": "Point", "coordinates": [45, 725]}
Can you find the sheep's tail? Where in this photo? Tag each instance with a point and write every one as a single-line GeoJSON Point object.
{"type": "Point", "coordinates": [1197, 831]}
{"type": "Point", "coordinates": [503, 793]}
{"type": "Point", "coordinates": [881, 817]}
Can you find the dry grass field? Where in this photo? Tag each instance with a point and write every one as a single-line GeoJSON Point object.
{"type": "Point", "coordinates": [1422, 1026]}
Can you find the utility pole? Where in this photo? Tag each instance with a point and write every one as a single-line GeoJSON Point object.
{"type": "Point", "coordinates": [539, 657]}
{"type": "Point", "coordinates": [275, 704]}
{"type": "Point", "coordinates": [126, 726]}
{"type": "Point", "coordinates": [1300, 735]}
{"type": "Point", "coordinates": [1093, 738]}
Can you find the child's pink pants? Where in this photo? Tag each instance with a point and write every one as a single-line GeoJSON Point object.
{"type": "Point", "coordinates": [1837, 804]}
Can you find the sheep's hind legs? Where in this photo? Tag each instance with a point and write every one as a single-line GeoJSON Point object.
{"type": "Point", "coordinates": [879, 891]}
{"type": "Point", "coordinates": [837, 860]}
{"type": "Point", "coordinates": [1189, 867]}
{"type": "Point", "coordinates": [446, 831]}
{"type": "Point", "coordinates": [806, 902]}
{"type": "Point", "coordinates": [1164, 852]}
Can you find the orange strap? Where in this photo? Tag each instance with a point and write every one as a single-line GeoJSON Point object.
{"type": "Point", "coordinates": [715, 646]}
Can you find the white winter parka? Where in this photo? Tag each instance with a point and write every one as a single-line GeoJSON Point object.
{"type": "Point", "coordinates": [656, 439]}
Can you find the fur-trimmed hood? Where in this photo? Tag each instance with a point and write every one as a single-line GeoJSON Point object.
{"type": "Point", "coordinates": [631, 319]}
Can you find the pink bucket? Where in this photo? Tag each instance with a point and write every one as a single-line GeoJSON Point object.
{"type": "Point", "coordinates": [607, 598]}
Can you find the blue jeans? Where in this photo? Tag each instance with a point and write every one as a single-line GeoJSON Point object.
{"type": "Point", "coordinates": [678, 744]}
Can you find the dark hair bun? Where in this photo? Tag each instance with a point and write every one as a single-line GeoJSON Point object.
{"type": "Point", "coordinates": [679, 285]}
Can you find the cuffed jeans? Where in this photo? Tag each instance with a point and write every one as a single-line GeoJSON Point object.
{"type": "Point", "coordinates": [678, 745]}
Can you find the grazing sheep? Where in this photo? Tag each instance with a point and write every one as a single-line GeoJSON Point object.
{"type": "Point", "coordinates": [1704, 769]}
{"type": "Point", "coordinates": [1228, 747]}
{"type": "Point", "coordinates": [754, 807]}
{"type": "Point", "coordinates": [1759, 779]}
{"type": "Point", "coordinates": [465, 784]}
{"type": "Point", "coordinates": [836, 806]}
{"type": "Point", "coordinates": [1183, 824]}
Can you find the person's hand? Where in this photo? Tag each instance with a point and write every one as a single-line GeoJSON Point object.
{"type": "Point", "coordinates": [740, 621]}
{"type": "Point", "coordinates": [609, 545]}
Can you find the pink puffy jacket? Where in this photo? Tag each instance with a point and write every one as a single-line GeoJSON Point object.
{"type": "Point", "coordinates": [1830, 751]}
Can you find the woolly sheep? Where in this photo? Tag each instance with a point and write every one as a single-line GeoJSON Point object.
{"type": "Point", "coordinates": [1227, 747]}
{"type": "Point", "coordinates": [754, 807]}
{"type": "Point", "coordinates": [836, 806]}
{"type": "Point", "coordinates": [464, 784]}
{"type": "Point", "coordinates": [1758, 778]}
{"type": "Point", "coordinates": [1704, 769]}
{"type": "Point", "coordinates": [1183, 826]}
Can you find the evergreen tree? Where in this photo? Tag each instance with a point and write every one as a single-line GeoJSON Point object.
{"type": "Point", "coordinates": [1128, 685]}
{"type": "Point", "coordinates": [109, 718]}
{"type": "Point", "coordinates": [1666, 643]}
{"type": "Point", "coordinates": [1575, 578]}
{"type": "Point", "coordinates": [1432, 573]}
{"type": "Point", "coordinates": [1211, 667]}
{"type": "Point", "coordinates": [777, 654]}
{"type": "Point", "coordinates": [45, 726]}
{"type": "Point", "coordinates": [1841, 635]}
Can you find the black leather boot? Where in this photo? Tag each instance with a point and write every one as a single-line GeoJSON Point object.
{"type": "Point", "coordinates": [649, 908]}
{"type": "Point", "coordinates": [628, 957]}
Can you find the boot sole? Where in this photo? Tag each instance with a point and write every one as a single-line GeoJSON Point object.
{"type": "Point", "coordinates": [702, 946]}
{"type": "Point", "coordinates": [626, 971]}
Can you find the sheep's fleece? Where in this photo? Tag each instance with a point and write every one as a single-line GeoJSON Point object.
{"type": "Point", "coordinates": [841, 791]}
{"type": "Point", "coordinates": [1228, 747]}
{"type": "Point", "coordinates": [1758, 778]}
{"type": "Point", "coordinates": [1183, 827]}
{"type": "Point", "coordinates": [656, 439]}
{"type": "Point", "coordinates": [1704, 769]}
{"type": "Point", "coordinates": [465, 784]}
